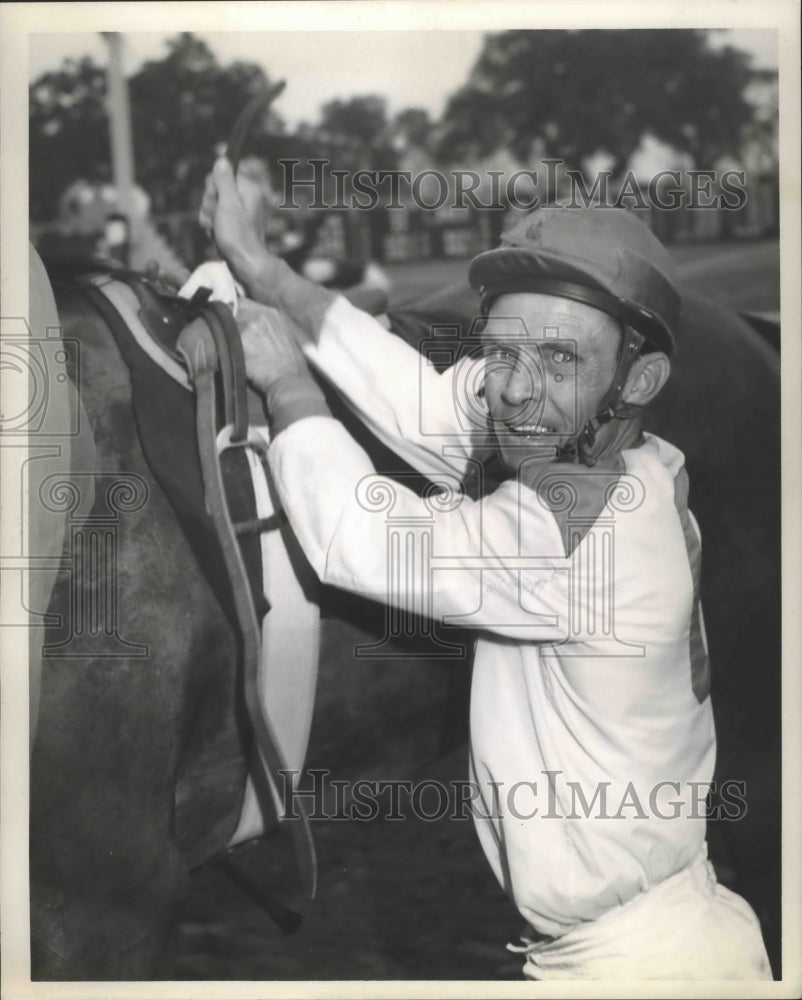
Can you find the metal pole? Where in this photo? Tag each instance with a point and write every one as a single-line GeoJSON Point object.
{"type": "Point", "coordinates": [122, 146]}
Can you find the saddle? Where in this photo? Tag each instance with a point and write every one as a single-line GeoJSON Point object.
{"type": "Point", "coordinates": [167, 342]}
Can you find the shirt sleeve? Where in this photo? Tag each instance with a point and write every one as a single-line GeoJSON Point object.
{"type": "Point", "coordinates": [433, 420]}
{"type": "Point", "coordinates": [487, 564]}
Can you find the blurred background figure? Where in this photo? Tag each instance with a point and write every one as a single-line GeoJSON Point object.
{"type": "Point", "coordinates": [91, 221]}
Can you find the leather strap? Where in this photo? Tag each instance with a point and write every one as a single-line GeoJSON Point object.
{"type": "Point", "coordinates": [242, 126]}
{"type": "Point", "coordinates": [198, 346]}
{"type": "Point", "coordinates": [231, 363]}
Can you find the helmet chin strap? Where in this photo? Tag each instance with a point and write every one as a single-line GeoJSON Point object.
{"type": "Point", "coordinates": [581, 449]}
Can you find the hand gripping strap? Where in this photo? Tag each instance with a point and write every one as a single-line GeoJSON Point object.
{"type": "Point", "coordinates": [198, 345]}
{"type": "Point", "coordinates": [231, 363]}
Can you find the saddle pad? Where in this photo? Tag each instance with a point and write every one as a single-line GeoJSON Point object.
{"type": "Point", "coordinates": [164, 408]}
{"type": "Point", "coordinates": [164, 412]}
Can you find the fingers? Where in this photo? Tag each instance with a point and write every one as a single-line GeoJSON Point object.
{"type": "Point", "coordinates": [208, 205]}
{"type": "Point", "coordinates": [248, 311]}
{"type": "Point", "coordinates": [235, 215]}
{"type": "Point", "coordinates": [267, 329]}
{"type": "Point", "coordinates": [271, 353]}
{"type": "Point", "coordinates": [253, 201]}
{"type": "Point", "coordinates": [223, 175]}
{"type": "Point", "coordinates": [220, 187]}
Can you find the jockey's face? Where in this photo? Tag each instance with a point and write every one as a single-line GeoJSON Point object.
{"type": "Point", "coordinates": [548, 364]}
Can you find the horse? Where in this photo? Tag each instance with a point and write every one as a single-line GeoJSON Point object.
{"type": "Point", "coordinates": [138, 770]}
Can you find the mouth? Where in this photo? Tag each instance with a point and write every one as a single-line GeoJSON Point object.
{"type": "Point", "coordinates": [530, 430]}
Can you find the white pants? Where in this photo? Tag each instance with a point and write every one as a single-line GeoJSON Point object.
{"type": "Point", "coordinates": [687, 927]}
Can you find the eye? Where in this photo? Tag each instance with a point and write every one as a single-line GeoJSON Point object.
{"type": "Point", "coordinates": [562, 356]}
{"type": "Point", "coordinates": [499, 353]}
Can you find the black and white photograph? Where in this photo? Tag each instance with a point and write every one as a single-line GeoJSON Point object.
{"type": "Point", "coordinates": [400, 499]}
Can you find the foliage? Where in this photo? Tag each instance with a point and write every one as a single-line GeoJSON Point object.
{"type": "Point", "coordinates": [181, 107]}
{"type": "Point", "coordinates": [577, 93]}
{"type": "Point", "coordinates": [357, 132]}
{"type": "Point", "coordinates": [413, 127]}
{"type": "Point", "coordinates": [600, 91]}
{"type": "Point", "coordinates": [69, 132]}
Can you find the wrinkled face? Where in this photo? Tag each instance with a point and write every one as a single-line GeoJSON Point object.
{"type": "Point", "coordinates": [548, 364]}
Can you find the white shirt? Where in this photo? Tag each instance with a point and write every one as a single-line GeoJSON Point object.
{"type": "Point", "coordinates": [590, 673]}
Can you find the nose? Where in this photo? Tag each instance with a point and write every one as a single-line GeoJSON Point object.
{"type": "Point", "coordinates": [524, 383]}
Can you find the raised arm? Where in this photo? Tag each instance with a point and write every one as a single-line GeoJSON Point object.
{"type": "Point", "coordinates": [399, 395]}
{"type": "Point", "coordinates": [445, 557]}
{"type": "Point", "coordinates": [397, 392]}
{"type": "Point", "coordinates": [498, 564]}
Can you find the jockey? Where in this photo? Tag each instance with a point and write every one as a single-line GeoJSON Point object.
{"type": "Point", "coordinates": [592, 737]}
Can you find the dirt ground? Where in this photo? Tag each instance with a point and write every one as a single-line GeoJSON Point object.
{"type": "Point", "coordinates": [405, 899]}
{"type": "Point", "coordinates": [397, 899]}
{"type": "Point", "coordinates": [743, 275]}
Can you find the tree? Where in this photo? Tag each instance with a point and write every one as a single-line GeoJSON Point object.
{"type": "Point", "coordinates": [69, 132]}
{"type": "Point", "coordinates": [587, 92]}
{"type": "Point", "coordinates": [358, 132]}
{"type": "Point", "coordinates": [413, 127]}
{"type": "Point", "coordinates": [182, 106]}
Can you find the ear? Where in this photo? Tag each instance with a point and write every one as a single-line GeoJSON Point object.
{"type": "Point", "coordinates": [646, 378]}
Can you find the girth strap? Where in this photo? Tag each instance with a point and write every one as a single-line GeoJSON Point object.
{"type": "Point", "coordinates": [198, 344]}
{"type": "Point", "coordinates": [231, 364]}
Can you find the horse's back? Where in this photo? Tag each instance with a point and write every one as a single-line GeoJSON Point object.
{"type": "Point", "coordinates": [722, 409]}
{"type": "Point", "coordinates": [137, 683]}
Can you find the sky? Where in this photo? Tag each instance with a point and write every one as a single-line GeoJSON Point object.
{"type": "Point", "coordinates": [409, 68]}
{"type": "Point", "coordinates": [417, 69]}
